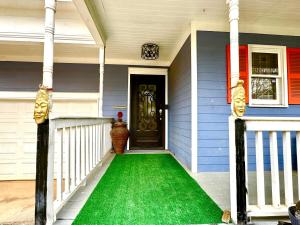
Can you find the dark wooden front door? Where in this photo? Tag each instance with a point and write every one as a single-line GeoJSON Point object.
{"type": "Point", "coordinates": [147, 113]}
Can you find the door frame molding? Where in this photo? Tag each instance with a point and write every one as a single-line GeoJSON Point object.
{"type": "Point", "coordinates": [144, 71]}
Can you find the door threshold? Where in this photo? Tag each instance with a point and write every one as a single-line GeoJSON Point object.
{"type": "Point", "coordinates": [146, 148]}
{"type": "Point", "coordinates": [146, 151]}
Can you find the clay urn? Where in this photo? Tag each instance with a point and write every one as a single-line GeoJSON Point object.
{"type": "Point", "coordinates": [119, 134]}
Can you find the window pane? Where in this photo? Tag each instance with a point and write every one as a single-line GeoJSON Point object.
{"type": "Point", "coordinates": [263, 88]}
{"type": "Point", "coordinates": [264, 63]}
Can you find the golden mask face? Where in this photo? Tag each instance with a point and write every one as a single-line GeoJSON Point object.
{"type": "Point", "coordinates": [41, 108]}
{"type": "Point", "coordinates": [239, 101]}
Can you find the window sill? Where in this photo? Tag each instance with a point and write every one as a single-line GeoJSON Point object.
{"type": "Point", "coordinates": [267, 106]}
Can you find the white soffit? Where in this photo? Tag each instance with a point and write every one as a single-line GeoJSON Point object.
{"type": "Point", "coordinates": [24, 21]}
{"type": "Point", "coordinates": [130, 23]}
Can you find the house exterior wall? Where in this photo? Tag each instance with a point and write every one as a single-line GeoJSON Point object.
{"type": "Point", "coordinates": [115, 90]}
{"type": "Point", "coordinates": [213, 110]}
{"type": "Point", "coordinates": [26, 76]}
{"type": "Point", "coordinates": [180, 105]}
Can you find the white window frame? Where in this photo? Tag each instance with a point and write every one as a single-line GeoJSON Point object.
{"type": "Point", "coordinates": [281, 92]}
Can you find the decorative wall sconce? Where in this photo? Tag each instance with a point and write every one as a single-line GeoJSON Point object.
{"type": "Point", "coordinates": [150, 51]}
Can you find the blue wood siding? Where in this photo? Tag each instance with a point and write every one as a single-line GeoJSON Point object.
{"type": "Point", "coordinates": [115, 86]}
{"type": "Point", "coordinates": [180, 105]}
{"type": "Point", "coordinates": [213, 110]}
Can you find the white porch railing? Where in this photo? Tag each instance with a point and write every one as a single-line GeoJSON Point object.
{"type": "Point", "coordinates": [76, 147]}
{"type": "Point", "coordinates": [273, 126]}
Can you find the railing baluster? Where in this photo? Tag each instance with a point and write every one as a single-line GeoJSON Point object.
{"type": "Point", "coordinates": [288, 179]}
{"type": "Point", "coordinates": [66, 146]}
{"type": "Point", "coordinates": [91, 146]}
{"type": "Point", "coordinates": [78, 164]}
{"type": "Point", "coordinates": [95, 146]}
{"type": "Point", "coordinates": [82, 141]}
{"type": "Point", "coordinates": [101, 140]}
{"type": "Point", "coordinates": [104, 139]}
{"type": "Point", "coordinates": [274, 169]}
{"type": "Point", "coordinates": [51, 206]}
{"type": "Point", "coordinates": [93, 138]}
{"type": "Point", "coordinates": [59, 165]}
{"type": "Point", "coordinates": [72, 154]}
{"type": "Point", "coordinates": [87, 153]}
{"type": "Point", "coordinates": [298, 160]}
{"type": "Point", "coordinates": [260, 168]}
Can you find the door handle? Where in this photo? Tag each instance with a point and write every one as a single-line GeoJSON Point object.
{"type": "Point", "coordinates": [160, 114]}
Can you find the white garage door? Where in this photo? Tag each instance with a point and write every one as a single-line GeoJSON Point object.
{"type": "Point", "coordinates": [18, 133]}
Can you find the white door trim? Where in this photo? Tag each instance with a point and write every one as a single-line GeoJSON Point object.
{"type": "Point", "coordinates": [141, 71]}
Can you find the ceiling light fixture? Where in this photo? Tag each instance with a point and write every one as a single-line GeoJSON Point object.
{"type": "Point", "coordinates": [150, 51]}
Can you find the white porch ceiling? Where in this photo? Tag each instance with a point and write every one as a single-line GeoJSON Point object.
{"type": "Point", "coordinates": [130, 23]}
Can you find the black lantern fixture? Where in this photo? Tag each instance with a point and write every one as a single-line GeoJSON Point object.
{"type": "Point", "coordinates": [150, 51]}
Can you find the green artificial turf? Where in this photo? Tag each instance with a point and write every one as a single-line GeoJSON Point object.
{"type": "Point", "coordinates": [147, 189]}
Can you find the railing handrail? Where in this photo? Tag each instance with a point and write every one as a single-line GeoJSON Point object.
{"type": "Point", "coordinates": [61, 122]}
{"type": "Point", "coordinates": [272, 123]}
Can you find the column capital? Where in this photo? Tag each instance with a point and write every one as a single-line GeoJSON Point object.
{"type": "Point", "coordinates": [233, 10]}
{"type": "Point", "coordinates": [50, 4]}
{"type": "Point", "coordinates": [101, 55]}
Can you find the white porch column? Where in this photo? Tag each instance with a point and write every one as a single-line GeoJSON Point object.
{"type": "Point", "coordinates": [50, 6]}
{"type": "Point", "coordinates": [234, 67]}
{"type": "Point", "coordinates": [101, 76]}
{"type": "Point", "coordinates": [234, 42]}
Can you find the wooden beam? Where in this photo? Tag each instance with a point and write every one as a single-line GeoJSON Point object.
{"type": "Point", "coordinates": [90, 16]}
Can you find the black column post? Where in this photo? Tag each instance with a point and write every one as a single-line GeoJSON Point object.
{"type": "Point", "coordinates": [240, 172]}
{"type": "Point", "coordinates": [41, 173]}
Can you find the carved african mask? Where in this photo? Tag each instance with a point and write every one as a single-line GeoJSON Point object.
{"type": "Point", "coordinates": [41, 108]}
{"type": "Point", "coordinates": [239, 103]}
